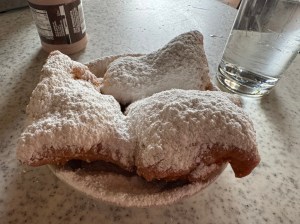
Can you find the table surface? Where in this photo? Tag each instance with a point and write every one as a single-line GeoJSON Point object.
{"type": "Point", "coordinates": [34, 195]}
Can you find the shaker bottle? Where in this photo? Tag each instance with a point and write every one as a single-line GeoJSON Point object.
{"type": "Point", "coordinates": [60, 24]}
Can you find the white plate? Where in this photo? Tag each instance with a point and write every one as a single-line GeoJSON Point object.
{"type": "Point", "coordinates": [120, 189]}
{"type": "Point", "coordinates": [127, 191]}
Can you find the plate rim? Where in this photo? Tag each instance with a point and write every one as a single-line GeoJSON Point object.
{"type": "Point", "coordinates": [73, 180]}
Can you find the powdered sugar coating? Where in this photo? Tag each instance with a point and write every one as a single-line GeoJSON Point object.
{"type": "Point", "coordinates": [203, 172]}
{"type": "Point", "coordinates": [70, 114]}
{"type": "Point", "coordinates": [180, 64]}
{"type": "Point", "coordinates": [176, 128]}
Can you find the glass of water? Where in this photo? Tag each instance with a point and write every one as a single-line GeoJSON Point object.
{"type": "Point", "coordinates": [264, 40]}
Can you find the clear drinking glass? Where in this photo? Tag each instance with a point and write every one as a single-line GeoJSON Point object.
{"type": "Point", "coordinates": [263, 42]}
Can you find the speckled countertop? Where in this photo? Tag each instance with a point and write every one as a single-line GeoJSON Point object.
{"type": "Point", "coordinates": [34, 195]}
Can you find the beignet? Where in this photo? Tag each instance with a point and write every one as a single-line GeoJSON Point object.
{"type": "Point", "coordinates": [180, 130]}
{"type": "Point", "coordinates": [180, 64]}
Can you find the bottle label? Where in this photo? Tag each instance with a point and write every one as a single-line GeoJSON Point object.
{"type": "Point", "coordinates": [59, 24]}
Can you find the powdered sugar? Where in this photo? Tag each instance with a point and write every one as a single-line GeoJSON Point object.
{"type": "Point", "coordinates": [203, 172]}
{"type": "Point", "coordinates": [175, 128]}
{"type": "Point", "coordinates": [169, 132]}
{"type": "Point", "coordinates": [180, 64]}
{"type": "Point", "coordinates": [68, 113]}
